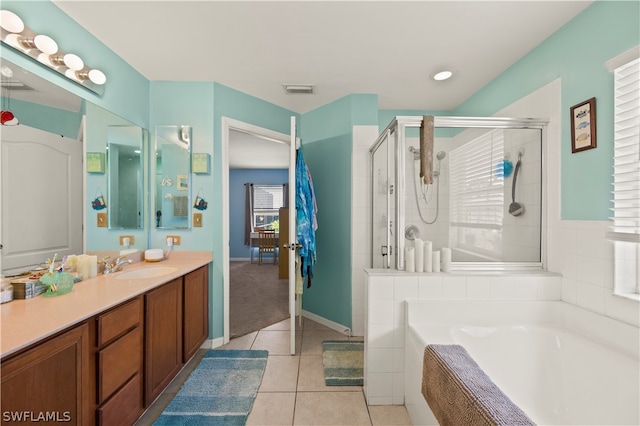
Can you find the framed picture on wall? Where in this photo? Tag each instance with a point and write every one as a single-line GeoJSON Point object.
{"type": "Point", "coordinates": [182, 182]}
{"type": "Point", "coordinates": [583, 126]}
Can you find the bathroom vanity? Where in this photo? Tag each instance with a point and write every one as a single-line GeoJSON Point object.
{"type": "Point", "coordinates": [104, 352]}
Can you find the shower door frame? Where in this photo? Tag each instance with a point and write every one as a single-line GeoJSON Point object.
{"type": "Point", "coordinates": [398, 127]}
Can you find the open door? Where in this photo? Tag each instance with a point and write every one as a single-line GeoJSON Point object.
{"type": "Point", "coordinates": [291, 245]}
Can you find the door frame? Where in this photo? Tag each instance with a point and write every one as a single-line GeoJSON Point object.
{"type": "Point", "coordinates": [229, 124]}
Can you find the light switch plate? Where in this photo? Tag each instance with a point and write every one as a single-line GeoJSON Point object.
{"type": "Point", "coordinates": [102, 219]}
{"type": "Point", "coordinates": [197, 220]}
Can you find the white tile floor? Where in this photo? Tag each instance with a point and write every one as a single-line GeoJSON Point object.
{"type": "Point", "coordinates": [293, 390]}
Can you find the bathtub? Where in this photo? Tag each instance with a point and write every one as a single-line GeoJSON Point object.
{"type": "Point", "coordinates": [562, 365]}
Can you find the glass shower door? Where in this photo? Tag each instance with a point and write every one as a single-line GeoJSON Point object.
{"type": "Point", "coordinates": [383, 210]}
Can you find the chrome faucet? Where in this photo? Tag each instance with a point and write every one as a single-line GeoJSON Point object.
{"type": "Point", "coordinates": [116, 266]}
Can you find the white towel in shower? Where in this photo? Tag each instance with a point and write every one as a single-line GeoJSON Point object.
{"type": "Point", "coordinates": [426, 149]}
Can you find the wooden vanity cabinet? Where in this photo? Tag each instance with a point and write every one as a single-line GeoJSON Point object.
{"type": "Point", "coordinates": [195, 327]}
{"type": "Point", "coordinates": [119, 368]}
{"type": "Point", "coordinates": [107, 369]}
{"type": "Point", "coordinates": [176, 325]}
{"type": "Point", "coordinates": [50, 379]}
{"type": "Point", "coordinates": [163, 337]}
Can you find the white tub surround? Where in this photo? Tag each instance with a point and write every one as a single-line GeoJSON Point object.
{"type": "Point", "coordinates": [559, 363]}
{"type": "Point", "coordinates": [29, 320]}
{"type": "Point", "coordinates": [385, 293]}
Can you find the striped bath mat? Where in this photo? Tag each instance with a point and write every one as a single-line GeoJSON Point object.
{"type": "Point", "coordinates": [343, 362]}
{"type": "Point", "coordinates": [220, 391]}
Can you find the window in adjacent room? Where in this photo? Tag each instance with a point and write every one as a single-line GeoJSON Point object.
{"type": "Point", "coordinates": [267, 200]}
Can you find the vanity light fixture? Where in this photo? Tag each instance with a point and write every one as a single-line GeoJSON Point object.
{"type": "Point", "coordinates": [442, 75]}
{"type": "Point", "coordinates": [45, 50]}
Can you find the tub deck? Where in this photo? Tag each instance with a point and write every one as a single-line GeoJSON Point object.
{"type": "Point", "coordinates": [537, 354]}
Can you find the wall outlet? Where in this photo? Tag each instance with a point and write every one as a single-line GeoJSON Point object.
{"type": "Point", "coordinates": [124, 243]}
{"type": "Point", "coordinates": [175, 239]}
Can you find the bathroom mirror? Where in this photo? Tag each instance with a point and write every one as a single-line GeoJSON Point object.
{"type": "Point", "coordinates": [172, 177]}
{"type": "Point", "coordinates": [125, 167]}
{"type": "Point", "coordinates": [54, 117]}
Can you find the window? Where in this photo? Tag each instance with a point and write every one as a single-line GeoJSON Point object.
{"type": "Point", "coordinates": [626, 183]}
{"type": "Point", "coordinates": [477, 195]}
{"type": "Point", "coordinates": [267, 200]}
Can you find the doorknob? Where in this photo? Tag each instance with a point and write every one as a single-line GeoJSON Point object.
{"type": "Point", "coordinates": [292, 246]}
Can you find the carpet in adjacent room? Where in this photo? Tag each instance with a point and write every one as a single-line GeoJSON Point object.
{"type": "Point", "coordinates": [257, 297]}
{"type": "Point", "coordinates": [219, 391]}
{"type": "Point", "coordinates": [343, 362]}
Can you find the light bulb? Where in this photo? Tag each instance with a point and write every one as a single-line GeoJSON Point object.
{"type": "Point", "coordinates": [72, 75]}
{"type": "Point", "coordinates": [45, 59]}
{"type": "Point", "coordinates": [11, 22]}
{"type": "Point", "coordinates": [6, 71]}
{"type": "Point", "coordinates": [97, 77]}
{"type": "Point", "coordinates": [14, 41]}
{"type": "Point", "coordinates": [73, 62]}
{"type": "Point", "coordinates": [45, 44]}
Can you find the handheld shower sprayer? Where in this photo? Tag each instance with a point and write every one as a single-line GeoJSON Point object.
{"type": "Point", "coordinates": [440, 155]}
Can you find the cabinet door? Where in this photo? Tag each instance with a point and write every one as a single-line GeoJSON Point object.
{"type": "Point", "coordinates": [163, 337]}
{"type": "Point", "coordinates": [196, 311]}
{"type": "Point", "coordinates": [48, 382]}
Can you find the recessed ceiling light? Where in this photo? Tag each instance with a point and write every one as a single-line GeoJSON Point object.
{"type": "Point", "coordinates": [442, 75]}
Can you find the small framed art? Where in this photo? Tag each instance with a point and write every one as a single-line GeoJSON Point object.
{"type": "Point", "coordinates": [95, 162]}
{"type": "Point", "coordinates": [583, 126]}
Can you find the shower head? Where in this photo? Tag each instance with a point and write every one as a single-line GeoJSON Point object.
{"type": "Point", "coordinates": [440, 155]}
{"type": "Point", "coordinates": [415, 151]}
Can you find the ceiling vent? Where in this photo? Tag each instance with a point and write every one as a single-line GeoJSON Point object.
{"type": "Point", "coordinates": [299, 89]}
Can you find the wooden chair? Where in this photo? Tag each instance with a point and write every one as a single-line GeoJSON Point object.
{"type": "Point", "coordinates": [266, 244]}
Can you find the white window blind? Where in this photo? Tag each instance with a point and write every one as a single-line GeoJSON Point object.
{"type": "Point", "coordinates": [477, 194]}
{"type": "Point", "coordinates": [626, 168]}
{"type": "Point", "coordinates": [626, 180]}
{"type": "Point", "coordinates": [267, 197]}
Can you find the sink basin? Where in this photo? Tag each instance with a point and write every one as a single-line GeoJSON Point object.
{"type": "Point", "coordinates": [143, 273]}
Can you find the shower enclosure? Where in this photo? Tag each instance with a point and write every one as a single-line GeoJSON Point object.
{"type": "Point", "coordinates": [485, 201]}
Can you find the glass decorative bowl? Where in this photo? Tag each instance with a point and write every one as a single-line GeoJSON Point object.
{"type": "Point", "coordinates": [58, 283]}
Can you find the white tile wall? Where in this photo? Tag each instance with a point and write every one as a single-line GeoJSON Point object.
{"type": "Point", "coordinates": [385, 315]}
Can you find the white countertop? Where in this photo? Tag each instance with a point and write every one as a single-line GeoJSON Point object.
{"type": "Point", "coordinates": [26, 321]}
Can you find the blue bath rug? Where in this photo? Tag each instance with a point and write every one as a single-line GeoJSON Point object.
{"type": "Point", "coordinates": [220, 391]}
{"type": "Point", "coordinates": [343, 362]}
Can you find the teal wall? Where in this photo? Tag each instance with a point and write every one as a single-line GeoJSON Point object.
{"type": "Point", "coordinates": [52, 120]}
{"type": "Point", "coordinates": [327, 144]}
{"type": "Point", "coordinates": [576, 53]}
{"type": "Point", "coordinates": [191, 104]}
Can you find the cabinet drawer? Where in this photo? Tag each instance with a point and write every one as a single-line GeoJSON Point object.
{"type": "Point", "coordinates": [125, 407]}
{"type": "Point", "coordinates": [117, 321]}
{"type": "Point", "coordinates": [118, 362]}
